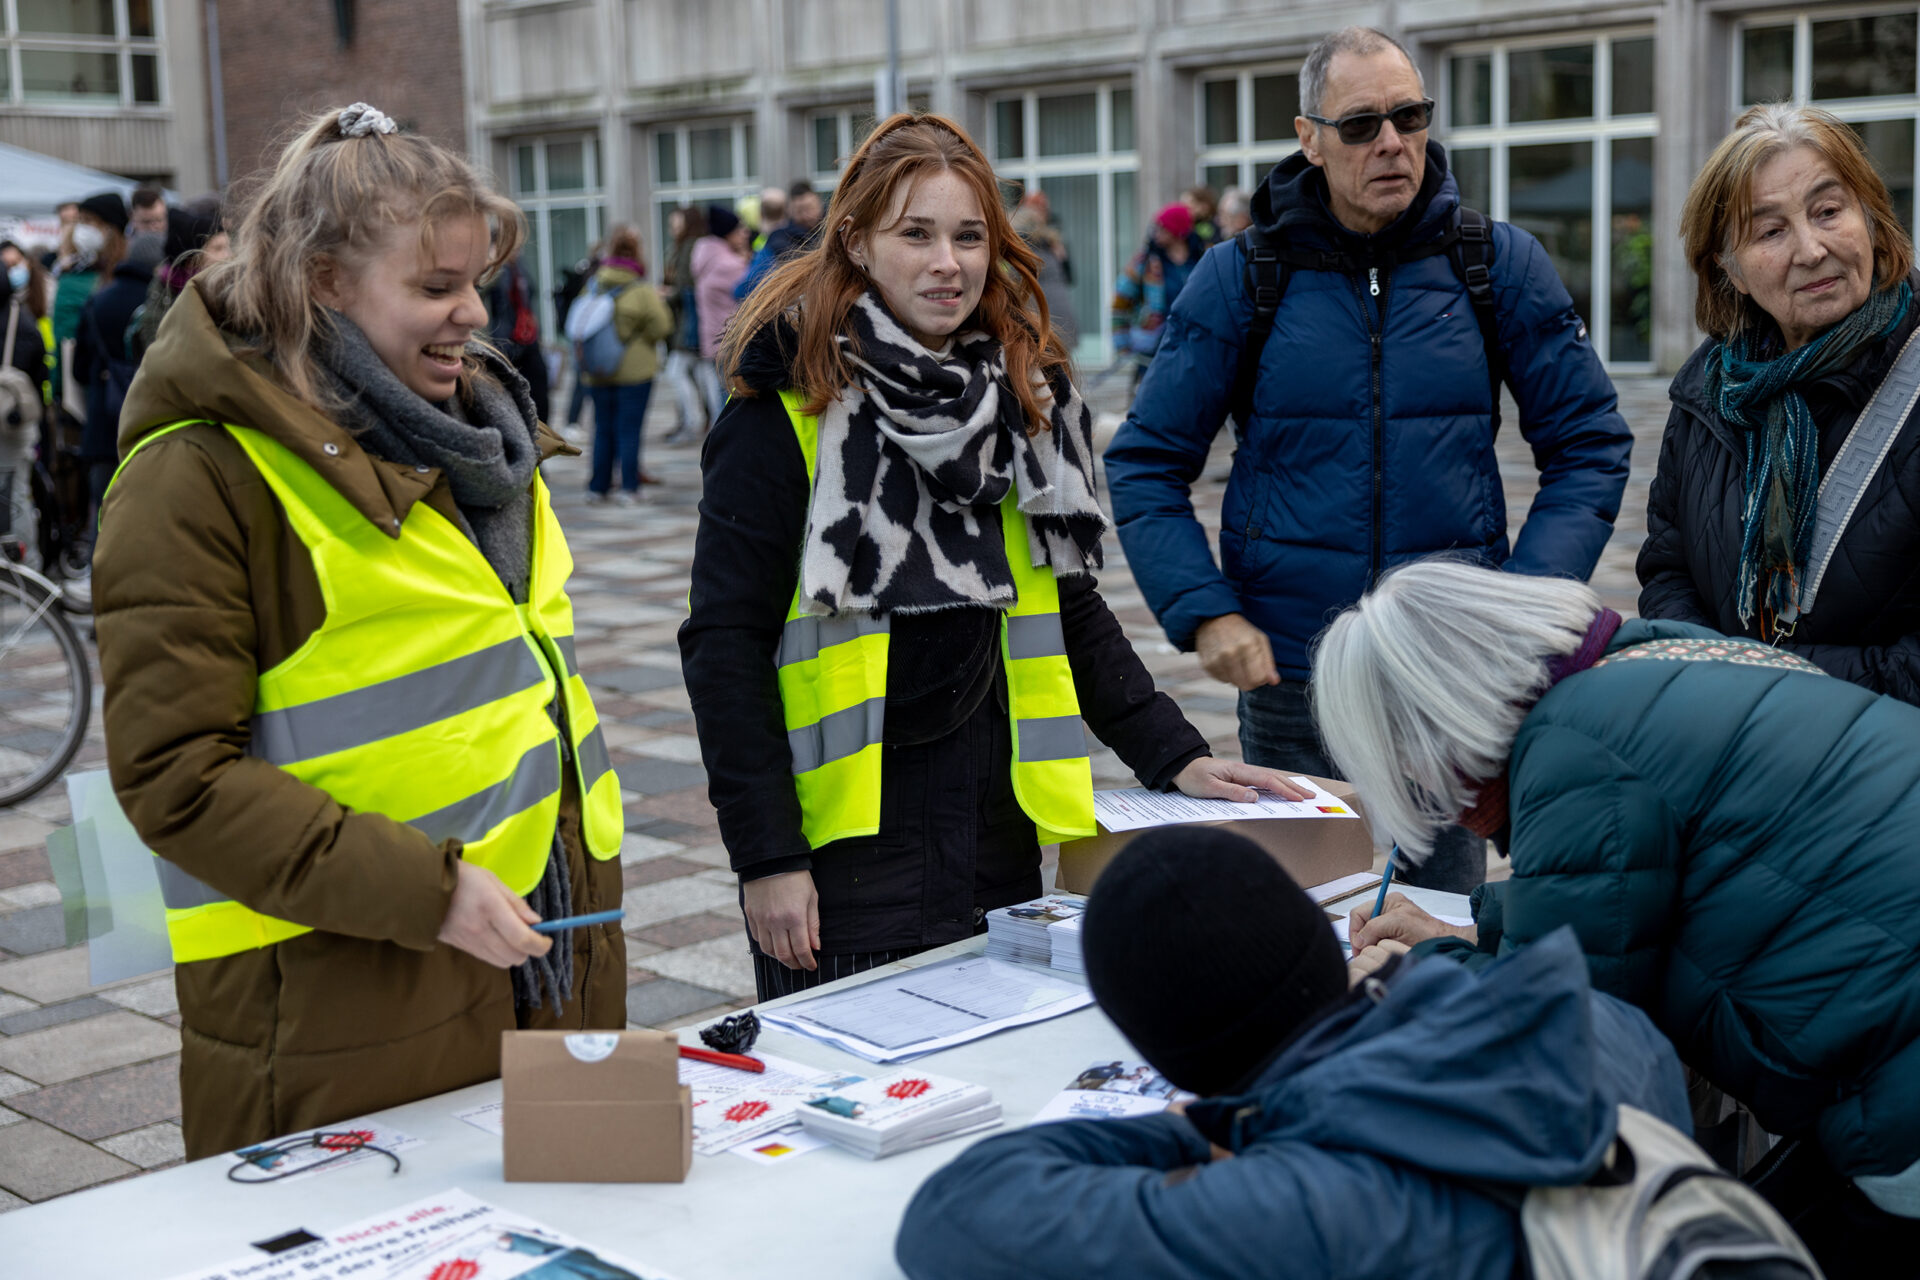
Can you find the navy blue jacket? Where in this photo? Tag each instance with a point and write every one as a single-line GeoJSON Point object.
{"type": "Point", "coordinates": [1370, 440]}
{"type": "Point", "coordinates": [1356, 1152]}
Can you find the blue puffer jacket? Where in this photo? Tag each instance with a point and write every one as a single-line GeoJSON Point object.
{"type": "Point", "coordinates": [1353, 1152]}
{"type": "Point", "coordinates": [1738, 849]}
{"type": "Point", "coordinates": [1370, 441]}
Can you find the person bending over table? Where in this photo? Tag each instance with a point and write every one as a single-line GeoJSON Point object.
{"type": "Point", "coordinates": [1729, 831]}
{"type": "Point", "coordinates": [894, 631]}
{"type": "Point", "coordinates": [341, 703]}
{"type": "Point", "coordinates": [1362, 1124]}
{"type": "Point", "coordinates": [1806, 288]}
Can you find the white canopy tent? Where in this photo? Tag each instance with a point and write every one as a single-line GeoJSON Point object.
{"type": "Point", "coordinates": [32, 185]}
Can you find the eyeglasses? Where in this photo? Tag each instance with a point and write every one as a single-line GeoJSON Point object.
{"type": "Point", "coordinates": [1364, 126]}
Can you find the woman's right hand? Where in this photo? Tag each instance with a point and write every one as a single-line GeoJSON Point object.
{"type": "Point", "coordinates": [489, 921]}
{"type": "Point", "coordinates": [783, 914]}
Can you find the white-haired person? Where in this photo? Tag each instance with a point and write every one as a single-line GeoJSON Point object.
{"type": "Point", "coordinates": [1728, 830]}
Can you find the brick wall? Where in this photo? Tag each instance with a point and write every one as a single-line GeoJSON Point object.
{"type": "Point", "coordinates": [281, 59]}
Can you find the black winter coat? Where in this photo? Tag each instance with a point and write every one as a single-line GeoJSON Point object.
{"type": "Point", "coordinates": [952, 841]}
{"type": "Point", "coordinates": [1865, 623]}
{"type": "Point", "coordinates": [101, 362]}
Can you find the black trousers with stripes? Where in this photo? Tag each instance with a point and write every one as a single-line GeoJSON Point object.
{"type": "Point", "coordinates": [775, 979]}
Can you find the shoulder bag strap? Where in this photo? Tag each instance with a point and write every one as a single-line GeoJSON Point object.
{"type": "Point", "coordinates": [13, 324]}
{"type": "Point", "coordinates": [1860, 456]}
{"type": "Point", "coordinates": [1471, 248]}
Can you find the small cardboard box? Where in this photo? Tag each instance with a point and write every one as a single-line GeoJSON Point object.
{"type": "Point", "coordinates": [604, 1106]}
{"type": "Point", "coordinates": [1313, 850]}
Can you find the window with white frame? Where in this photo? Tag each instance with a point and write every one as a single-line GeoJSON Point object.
{"type": "Point", "coordinates": [1556, 136]}
{"type": "Point", "coordinates": [1246, 124]}
{"type": "Point", "coordinates": [1077, 146]}
{"type": "Point", "coordinates": [834, 134]}
{"type": "Point", "coordinates": [556, 181]}
{"type": "Point", "coordinates": [702, 162]}
{"type": "Point", "coordinates": [82, 53]}
{"type": "Point", "coordinates": [1861, 66]}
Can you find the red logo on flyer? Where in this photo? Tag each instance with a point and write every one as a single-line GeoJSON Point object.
{"type": "Point", "coordinates": [456, 1269]}
{"type": "Point", "coordinates": [904, 1089]}
{"type": "Point", "coordinates": [351, 1140]}
{"type": "Point", "coordinates": [741, 1112]}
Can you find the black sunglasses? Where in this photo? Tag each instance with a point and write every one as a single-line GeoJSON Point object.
{"type": "Point", "coordinates": [1364, 126]}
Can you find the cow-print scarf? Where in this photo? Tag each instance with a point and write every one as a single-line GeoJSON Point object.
{"type": "Point", "coordinates": [911, 457]}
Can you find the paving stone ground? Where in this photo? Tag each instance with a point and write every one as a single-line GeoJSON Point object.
{"type": "Point", "coordinates": [89, 1089]}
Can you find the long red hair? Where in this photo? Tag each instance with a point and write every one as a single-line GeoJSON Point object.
{"type": "Point", "coordinates": [817, 289]}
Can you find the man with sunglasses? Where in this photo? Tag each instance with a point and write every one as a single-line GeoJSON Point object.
{"type": "Point", "coordinates": [1358, 343]}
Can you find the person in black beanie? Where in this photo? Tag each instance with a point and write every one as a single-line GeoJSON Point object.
{"type": "Point", "coordinates": [1364, 1122]}
{"type": "Point", "coordinates": [1271, 961]}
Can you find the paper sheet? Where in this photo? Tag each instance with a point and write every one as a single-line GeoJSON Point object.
{"type": "Point", "coordinates": [444, 1237]}
{"type": "Point", "coordinates": [731, 1106]}
{"type": "Point", "coordinates": [1334, 890]}
{"type": "Point", "coordinates": [487, 1117]}
{"type": "Point", "coordinates": [931, 1008]}
{"type": "Point", "coordinates": [1108, 1090]}
{"type": "Point", "coordinates": [780, 1147]}
{"type": "Point", "coordinates": [1137, 808]}
{"type": "Point", "coordinates": [301, 1162]}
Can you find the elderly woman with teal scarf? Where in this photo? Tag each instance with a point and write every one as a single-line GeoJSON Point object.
{"type": "Point", "coordinates": [1786, 507]}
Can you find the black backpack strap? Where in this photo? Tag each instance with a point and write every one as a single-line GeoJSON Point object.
{"type": "Point", "coordinates": [1264, 274]}
{"type": "Point", "coordinates": [1471, 248]}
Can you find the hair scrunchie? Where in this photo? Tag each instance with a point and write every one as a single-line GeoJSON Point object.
{"type": "Point", "coordinates": [359, 120]}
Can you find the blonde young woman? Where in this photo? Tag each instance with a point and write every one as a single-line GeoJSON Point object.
{"type": "Point", "coordinates": [340, 689]}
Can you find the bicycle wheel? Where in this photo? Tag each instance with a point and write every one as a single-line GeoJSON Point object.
{"type": "Point", "coordinates": [46, 691]}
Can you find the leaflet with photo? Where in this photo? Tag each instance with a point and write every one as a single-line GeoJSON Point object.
{"type": "Point", "coordinates": [440, 1237]}
{"type": "Point", "coordinates": [1107, 1090]}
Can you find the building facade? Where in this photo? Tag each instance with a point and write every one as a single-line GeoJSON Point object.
{"type": "Point", "coordinates": [280, 59]}
{"type": "Point", "coordinates": [117, 85]}
{"type": "Point", "coordinates": [1581, 121]}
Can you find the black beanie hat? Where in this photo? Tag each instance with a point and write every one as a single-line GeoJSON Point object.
{"type": "Point", "coordinates": [1206, 954]}
{"type": "Point", "coordinates": [721, 220]}
{"type": "Point", "coordinates": [109, 208]}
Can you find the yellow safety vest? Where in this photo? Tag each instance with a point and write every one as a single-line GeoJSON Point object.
{"type": "Point", "coordinates": [833, 689]}
{"type": "Point", "coordinates": [424, 696]}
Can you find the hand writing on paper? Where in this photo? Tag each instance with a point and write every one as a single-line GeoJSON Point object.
{"type": "Point", "coordinates": [1373, 959]}
{"type": "Point", "coordinates": [489, 921]}
{"type": "Point", "coordinates": [1211, 779]}
{"type": "Point", "coordinates": [1234, 651]}
{"type": "Point", "coordinates": [1403, 922]}
{"type": "Point", "coordinates": [783, 914]}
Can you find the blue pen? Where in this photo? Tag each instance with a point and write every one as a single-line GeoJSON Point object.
{"type": "Point", "coordinates": [1385, 880]}
{"type": "Point", "coordinates": [576, 922]}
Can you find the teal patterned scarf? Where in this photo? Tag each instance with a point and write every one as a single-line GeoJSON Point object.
{"type": "Point", "coordinates": [1762, 397]}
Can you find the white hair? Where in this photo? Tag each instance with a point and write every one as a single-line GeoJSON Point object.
{"type": "Point", "coordinates": [1420, 688]}
{"type": "Point", "coordinates": [1357, 40]}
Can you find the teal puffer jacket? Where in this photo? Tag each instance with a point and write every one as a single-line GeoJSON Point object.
{"type": "Point", "coordinates": [1738, 849]}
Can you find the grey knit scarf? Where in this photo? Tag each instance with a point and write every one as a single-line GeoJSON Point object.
{"type": "Point", "coordinates": [482, 440]}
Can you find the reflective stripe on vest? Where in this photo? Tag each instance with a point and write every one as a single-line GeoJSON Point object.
{"type": "Point", "coordinates": [426, 695]}
{"type": "Point", "coordinates": [833, 692]}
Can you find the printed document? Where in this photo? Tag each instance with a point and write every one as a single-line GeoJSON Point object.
{"type": "Point", "coordinates": [1136, 808]}
{"type": "Point", "coordinates": [931, 1008]}
{"type": "Point", "coordinates": [450, 1236]}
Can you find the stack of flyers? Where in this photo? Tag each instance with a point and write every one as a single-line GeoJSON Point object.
{"type": "Point", "coordinates": [1107, 1090]}
{"type": "Point", "coordinates": [1020, 934]}
{"type": "Point", "coordinates": [731, 1106]}
{"type": "Point", "coordinates": [1065, 938]}
{"type": "Point", "coordinates": [890, 1114]}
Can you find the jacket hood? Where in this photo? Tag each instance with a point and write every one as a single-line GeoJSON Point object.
{"type": "Point", "coordinates": [1291, 205]}
{"type": "Point", "coordinates": [1488, 1076]}
{"type": "Point", "coordinates": [608, 277]}
{"type": "Point", "coordinates": [192, 372]}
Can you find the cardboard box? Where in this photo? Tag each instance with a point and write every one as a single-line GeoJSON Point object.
{"type": "Point", "coordinates": [603, 1106]}
{"type": "Point", "coordinates": [1313, 850]}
